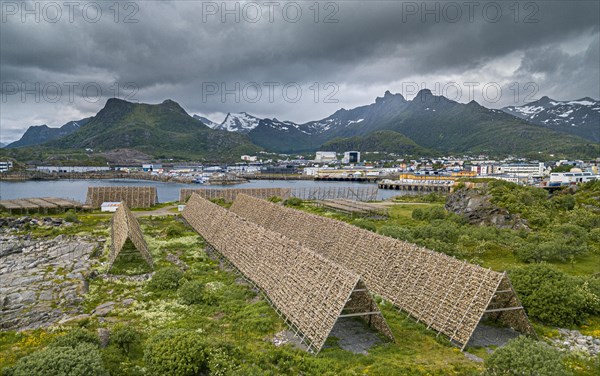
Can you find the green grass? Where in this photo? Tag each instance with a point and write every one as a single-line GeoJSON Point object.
{"type": "Point", "coordinates": [238, 317]}
{"type": "Point", "coordinates": [235, 316]}
{"type": "Point", "coordinates": [130, 261]}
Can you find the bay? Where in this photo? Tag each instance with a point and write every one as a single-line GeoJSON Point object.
{"type": "Point", "coordinates": [167, 192]}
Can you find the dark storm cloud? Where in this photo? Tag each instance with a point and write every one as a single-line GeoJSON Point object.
{"type": "Point", "coordinates": [175, 49]}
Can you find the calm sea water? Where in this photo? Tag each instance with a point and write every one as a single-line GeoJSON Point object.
{"type": "Point", "coordinates": [77, 189]}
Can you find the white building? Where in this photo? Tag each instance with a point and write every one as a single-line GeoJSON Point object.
{"type": "Point", "coordinates": [72, 168]}
{"type": "Point", "coordinates": [351, 157]}
{"type": "Point", "coordinates": [522, 169]}
{"type": "Point", "coordinates": [310, 171]}
{"type": "Point", "coordinates": [521, 180]}
{"type": "Point", "coordinates": [249, 158]}
{"type": "Point", "coordinates": [109, 206]}
{"type": "Point", "coordinates": [325, 156]}
{"type": "Point", "coordinates": [483, 169]}
{"type": "Point", "coordinates": [5, 166]}
{"type": "Point", "coordinates": [151, 167]}
{"type": "Point", "coordinates": [566, 178]}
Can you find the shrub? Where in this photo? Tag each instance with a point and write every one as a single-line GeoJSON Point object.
{"type": "Point", "coordinates": [396, 232]}
{"type": "Point", "coordinates": [75, 338]}
{"type": "Point", "coordinates": [429, 214]}
{"type": "Point", "coordinates": [222, 360]}
{"type": "Point", "coordinates": [275, 199]}
{"type": "Point", "coordinates": [172, 231]}
{"type": "Point", "coordinates": [524, 356]}
{"type": "Point", "coordinates": [561, 243]}
{"type": "Point", "coordinates": [175, 352]}
{"type": "Point", "coordinates": [191, 292]}
{"type": "Point", "coordinates": [166, 279]}
{"type": "Point", "coordinates": [566, 201]}
{"type": "Point", "coordinates": [365, 224]}
{"type": "Point", "coordinates": [71, 216]}
{"type": "Point", "coordinates": [549, 295]}
{"type": "Point", "coordinates": [82, 360]}
{"type": "Point", "coordinates": [594, 235]}
{"type": "Point", "coordinates": [124, 336]}
{"type": "Point", "coordinates": [417, 214]}
{"type": "Point", "coordinates": [293, 201]}
{"type": "Point", "coordinates": [181, 352]}
{"type": "Point", "coordinates": [444, 231]}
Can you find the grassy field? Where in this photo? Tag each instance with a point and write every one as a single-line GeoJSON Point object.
{"type": "Point", "coordinates": [234, 314]}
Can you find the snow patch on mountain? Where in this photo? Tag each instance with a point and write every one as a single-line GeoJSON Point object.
{"type": "Point", "coordinates": [239, 122]}
{"type": "Point", "coordinates": [206, 121]}
{"type": "Point", "coordinates": [582, 114]}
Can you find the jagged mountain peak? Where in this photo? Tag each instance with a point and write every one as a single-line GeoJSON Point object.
{"type": "Point", "coordinates": [239, 122]}
{"type": "Point", "coordinates": [389, 97]}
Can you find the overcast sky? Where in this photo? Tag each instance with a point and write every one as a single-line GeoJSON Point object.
{"type": "Point", "coordinates": [290, 60]}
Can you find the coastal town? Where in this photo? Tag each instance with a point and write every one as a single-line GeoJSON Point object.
{"type": "Point", "coordinates": [398, 173]}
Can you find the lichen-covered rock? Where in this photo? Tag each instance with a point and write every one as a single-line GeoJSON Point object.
{"type": "Point", "coordinates": [573, 340]}
{"type": "Point", "coordinates": [41, 281]}
{"type": "Point", "coordinates": [477, 208]}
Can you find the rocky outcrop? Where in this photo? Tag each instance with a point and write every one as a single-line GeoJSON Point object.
{"type": "Point", "coordinates": [42, 281]}
{"type": "Point", "coordinates": [11, 224]}
{"type": "Point", "coordinates": [573, 340]}
{"type": "Point", "coordinates": [478, 209]}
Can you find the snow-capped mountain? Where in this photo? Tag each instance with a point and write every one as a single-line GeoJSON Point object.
{"type": "Point", "coordinates": [206, 121]}
{"type": "Point", "coordinates": [579, 117]}
{"type": "Point", "coordinates": [431, 121]}
{"type": "Point", "coordinates": [239, 122]}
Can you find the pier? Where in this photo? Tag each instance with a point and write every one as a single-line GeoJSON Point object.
{"type": "Point", "coordinates": [444, 186]}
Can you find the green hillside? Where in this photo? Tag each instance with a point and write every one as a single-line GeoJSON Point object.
{"type": "Point", "coordinates": [382, 141]}
{"type": "Point", "coordinates": [164, 131]}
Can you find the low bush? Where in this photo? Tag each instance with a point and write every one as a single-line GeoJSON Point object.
{"type": "Point", "coordinates": [396, 232]}
{"type": "Point", "coordinates": [172, 231]}
{"type": "Point", "coordinates": [293, 201]}
{"type": "Point", "coordinates": [70, 216]}
{"type": "Point", "coordinates": [165, 279]}
{"type": "Point", "coordinates": [81, 360]}
{"type": "Point", "coordinates": [429, 214]}
{"type": "Point", "coordinates": [175, 352]}
{"type": "Point", "coordinates": [191, 292]}
{"type": "Point", "coordinates": [525, 356]}
{"type": "Point", "coordinates": [75, 338]}
{"type": "Point", "coordinates": [365, 224]}
{"type": "Point", "coordinates": [549, 295]}
{"type": "Point", "coordinates": [180, 352]}
{"type": "Point", "coordinates": [124, 336]}
{"type": "Point", "coordinates": [560, 243]}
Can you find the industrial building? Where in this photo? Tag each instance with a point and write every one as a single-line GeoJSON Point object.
{"type": "Point", "coordinates": [522, 169]}
{"type": "Point", "coordinates": [351, 157]}
{"type": "Point", "coordinates": [325, 156]}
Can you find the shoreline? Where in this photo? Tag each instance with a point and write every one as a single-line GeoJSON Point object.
{"type": "Point", "coordinates": [41, 176]}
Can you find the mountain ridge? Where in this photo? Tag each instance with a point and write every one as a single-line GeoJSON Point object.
{"type": "Point", "coordinates": [161, 130]}
{"type": "Point", "coordinates": [38, 134]}
{"type": "Point", "coordinates": [433, 123]}
{"type": "Point", "coordinates": [580, 117]}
